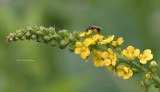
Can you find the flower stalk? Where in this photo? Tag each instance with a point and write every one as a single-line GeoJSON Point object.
{"type": "Point", "coordinates": [106, 52]}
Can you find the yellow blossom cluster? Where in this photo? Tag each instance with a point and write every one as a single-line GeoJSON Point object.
{"type": "Point", "coordinates": [118, 42]}
{"type": "Point", "coordinates": [85, 34]}
{"type": "Point", "coordinates": [124, 71]}
{"type": "Point", "coordinates": [104, 58]}
{"type": "Point", "coordinates": [108, 58]}
{"type": "Point", "coordinates": [82, 48]}
{"type": "Point", "coordinates": [107, 40]}
{"type": "Point", "coordinates": [99, 58]}
{"type": "Point", "coordinates": [131, 52]}
{"type": "Point", "coordinates": [96, 38]}
{"type": "Point", "coordinates": [145, 56]}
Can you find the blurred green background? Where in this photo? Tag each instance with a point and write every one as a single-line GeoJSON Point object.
{"type": "Point", "coordinates": [56, 70]}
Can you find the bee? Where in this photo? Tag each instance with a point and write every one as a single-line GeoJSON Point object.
{"type": "Point", "coordinates": [97, 29]}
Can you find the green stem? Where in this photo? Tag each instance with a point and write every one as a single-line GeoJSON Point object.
{"type": "Point", "coordinates": [123, 59]}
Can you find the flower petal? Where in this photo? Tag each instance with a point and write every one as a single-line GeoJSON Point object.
{"type": "Point", "coordinates": [107, 62]}
{"type": "Point", "coordinates": [110, 51]}
{"type": "Point", "coordinates": [78, 50]}
{"type": "Point", "coordinates": [130, 49]}
{"type": "Point", "coordinates": [120, 40]}
{"type": "Point", "coordinates": [120, 73]}
{"type": "Point", "coordinates": [78, 44]}
{"type": "Point", "coordinates": [87, 42]}
{"type": "Point", "coordinates": [136, 52]}
{"type": "Point", "coordinates": [143, 61]}
{"type": "Point", "coordinates": [121, 66]}
{"type": "Point", "coordinates": [105, 55]}
{"type": "Point", "coordinates": [126, 76]}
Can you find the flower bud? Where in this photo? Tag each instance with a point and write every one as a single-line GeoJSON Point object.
{"type": "Point", "coordinates": [41, 28]}
{"type": "Point", "coordinates": [46, 30]}
{"type": "Point", "coordinates": [76, 35]}
{"type": "Point", "coordinates": [10, 39]}
{"type": "Point", "coordinates": [16, 39]}
{"type": "Point", "coordinates": [51, 30]}
{"type": "Point", "coordinates": [46, 39]}
{"type": "Point", "coordinates": [22, 38]}
{"type": "Point", "coordinates": [72, 48]}
{"type": "Point", "coordinates": [153, 64]}
{"type": "Point", "coordinates": [28, 34]}
{"type": "Point", "coordinates": [71, 39]}
{"type": "Point", "coordinates": [60, 32]}
{"type": "Point", "coordinates": [63, 44]}
{"type": "Point", "coordinates": [55, 36]}
{"type": "Point", "coordinates": [36, 28]}
{"type": "Point", "coordinates": [19, 34]}
{"type": "Point", "coordinates": [23, 31]}
{"type": "Point", "coordinates": [147, 76]}
{"type": "Point", "coordinates": [12, 34]}
{"type": "Point", "coordinates": [39, 39]}
{"type": "Point", "coordinates": [63, 32]}
{"type": "Point", "coordinates": [33, 37]}
{"type": "Point", "coordinates": [17, 31]}
{"type": "Point", "coordinates": [53, 43]}
{"type": "Point", "coordinates": [39, 32]}
{"type": "Point", "coordinates": [29, 28]}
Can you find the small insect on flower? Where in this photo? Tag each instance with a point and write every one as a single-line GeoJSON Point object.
{"type": "Point", "coordinates": [97, 29]}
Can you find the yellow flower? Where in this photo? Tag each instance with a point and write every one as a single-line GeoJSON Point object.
{"type": "Point", "coordinates": [109, 57]}
{"type": "Point", "coordinates": [82, 48]}
{"type": "Point", "coordinates": [147, 76]}
{"type": "Point", "coordinates": [89, 32]}
{"type": "Point", "coordinates": [145, 56]}
{"type": "Point", "coordinates": [130, 52]}
{"type": "Point", "coordinates": [124, 71]}
{"type": "Point", "coordinates": [96, 38]}
{"type": "Point", "coordinates": [153, 64]}
{"type": "Point", "coordinates": [110, 68]}
{"type": "Point", "coordinates": [97, 60]}
{"type": "Point", "coordinates": [108, 40]}
{"type": "Point", "coordinates": [120, 40]}
{"type": "Point", "coordinates": [84, 34]}
{"type": "Point", "coordinates": [114, 43]}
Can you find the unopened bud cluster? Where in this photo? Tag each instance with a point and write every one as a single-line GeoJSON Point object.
{"type": "Point", "coordinates": [47, 35]}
